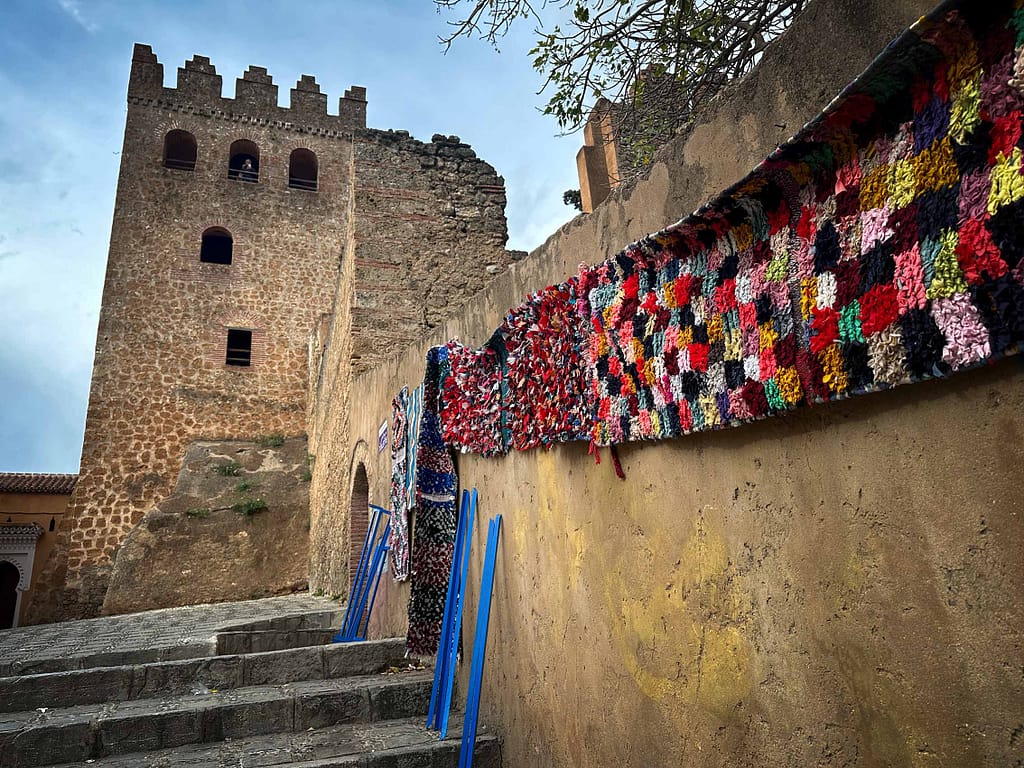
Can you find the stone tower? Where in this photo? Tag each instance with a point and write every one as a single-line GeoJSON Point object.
{"type": "Point", "coordinates": [215, 278]}
{"type": "Point", "coordinates": [240, 227]}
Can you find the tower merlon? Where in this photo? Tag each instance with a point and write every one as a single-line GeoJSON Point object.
{"type": "Point", "coordinates": [199, 81]}
{"type": "Point", "coordinates": [307, 101]}
{"type": "Point", "coordinates": [256, 88]}
{"type": "Point", "coordinates": [147, 76]}
{"type": "Point", "coordinates": [352, 106]}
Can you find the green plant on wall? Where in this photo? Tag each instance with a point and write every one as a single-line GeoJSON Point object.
{"type": "Point", "coordinates": [273, 440]}
{"type": "Point", "coordinates": [249, 507]}
{"type": "Point", "coordinates": [231, 469]}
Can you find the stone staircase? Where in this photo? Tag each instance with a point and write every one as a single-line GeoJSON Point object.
{"type": "Point", "coordinates": [272, 693]}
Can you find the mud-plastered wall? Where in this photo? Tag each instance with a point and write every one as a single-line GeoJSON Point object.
{"type": "Point", "coordinates": [840, 586]}
{"type": "Point", "coordinates": [427, 234]}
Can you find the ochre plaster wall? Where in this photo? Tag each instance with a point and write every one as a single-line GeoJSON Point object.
{"type": "Point", "coordinates": [841, 586]}
{"type": "Point", "coordinates": [427, 234]}
{"type": "Point", "coordinates": [41, 509]}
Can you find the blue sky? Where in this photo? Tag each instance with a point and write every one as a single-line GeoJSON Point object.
{"type": "Point", "coordinates": [63, 76]}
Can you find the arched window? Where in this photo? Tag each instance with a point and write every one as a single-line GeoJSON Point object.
{"type": "Point", "coordinates": [216, 247]}
{"type": "Point", "coordinates": [180, 151]}
{"type": "Point", "coordinates": [244, 162]}
{"type": "Point", "coordinates": [302, 170]}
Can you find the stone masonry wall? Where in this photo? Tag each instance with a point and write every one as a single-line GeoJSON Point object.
{"type": "Point", "coordinates": [160, 378]}
{"type": "Point", "coordinates": [430, 232]}
{"type": "Point", "coordinates": [840, 586]}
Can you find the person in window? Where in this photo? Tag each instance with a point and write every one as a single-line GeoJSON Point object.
{"type": "Point", "coordinates": [248, 172]}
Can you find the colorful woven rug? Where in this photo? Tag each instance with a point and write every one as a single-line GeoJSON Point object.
{"type": "Point", "coordinates": [881, 246]}
{"type": "Point", "coordinates": [434, 524]}
{"type": "Point", "coordinates": [398, 540]}
{"type": "Point", "coordinates": [544, 379]}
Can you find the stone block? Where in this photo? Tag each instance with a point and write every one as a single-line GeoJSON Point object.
{"type": "Point", "coordinates": [182, 677]}
{"type": "Point", "coordinates": [276, 667]}
{"type": "Point", "coordinates": [47, 744]}
{"type": "Point", "coordinates": [138, 729]}
{"type": "Point", "coordinates": [192, 650]}
{"type": "Point", "coordinates": [41, 666]}
{"type": "Point", "coordinates": [234, 642]}
{"type": "Point", "coordinates": [64, 689]}
{"type": "Point", "coordinates": [120, 658]}
{"type": "Point", "coordinates": [328, 705]}
{"type": "Point", "coordinates": [345, 659]}
{"type": "Point", "coordinates": [400, 696]}
{"type": "Point", "coordinates": [411, 757]}
{"type": "Point", "coordinates": [256, 711]}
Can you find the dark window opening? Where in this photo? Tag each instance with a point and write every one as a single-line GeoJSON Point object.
{"type": "Point", "coordinates": [53, 523]}
{"type": "Point", "coordinates": [302, 170]}
{"type": "Point", "coordinates": [180, 151]}
{"type": "Point", "coordinates": [239, 347]}
{"type": "Point", "coordinates": [217, 246]}
{"type": "Point", "coordinates": [244, 162]}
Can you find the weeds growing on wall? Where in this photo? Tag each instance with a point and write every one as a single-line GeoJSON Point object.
{"type": "Point", "coordinates": [249, 507]}
{"type": "Point", "coordinates": [273, 440]}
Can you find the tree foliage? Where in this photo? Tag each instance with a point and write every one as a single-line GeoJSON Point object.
{"type": "Point", "coordinates": [659, 62]}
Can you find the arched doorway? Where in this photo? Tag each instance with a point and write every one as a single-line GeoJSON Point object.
{"type": "Point", "coordinates": [358, 520]}
{"type": "Point", "coordinates": [10, 577]}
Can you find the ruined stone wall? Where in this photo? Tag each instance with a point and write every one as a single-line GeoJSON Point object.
{"type": "Point", "coordinates": [160, 377]}
{"type": "Point", "coordinates": [428, 234]}
{"type": "Point", "coordinates": [839, 586]}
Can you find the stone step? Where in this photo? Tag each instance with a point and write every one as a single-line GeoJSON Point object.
{"type": "Point", "coordinates": [94, 731]}
{"type": "Point", "coordinates": [97, 685]}
{"type": "Point", "coordinates": [255, 641]}
{"type": "Point", "coordinates": [155, 636]}
{"type": "Point", "coordinates": [403, 743]}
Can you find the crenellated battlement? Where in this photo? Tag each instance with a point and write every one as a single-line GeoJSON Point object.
{"type": "Point", "coordinates": [200, 87]}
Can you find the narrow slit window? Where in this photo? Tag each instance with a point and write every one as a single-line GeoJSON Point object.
{"type": "Point", "coordinates": [244, 161]}
{"type": "Point", "coordinates": [239, 347]}
{"type": "Point", "coordinates": [302, 170]}
{"type": "Point", "coordinates": [180, 151]}
{"type": "Point", "coordinates": [217, 246]}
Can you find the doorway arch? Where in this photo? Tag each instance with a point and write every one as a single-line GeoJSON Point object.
{"type": "Point", "coordinates": [358, 519]}
{"type": "Point", "coordinates": [10, 579]}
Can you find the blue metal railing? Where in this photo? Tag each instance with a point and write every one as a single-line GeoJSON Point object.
{"type": "Point", "coordinates": [363, 594]}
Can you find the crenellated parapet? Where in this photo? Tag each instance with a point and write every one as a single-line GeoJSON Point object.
{"type": "Point", "coordinates": [199, 88]}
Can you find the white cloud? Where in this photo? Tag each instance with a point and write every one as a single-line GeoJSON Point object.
{"type": "Point", "coordinates": [73, 8]}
